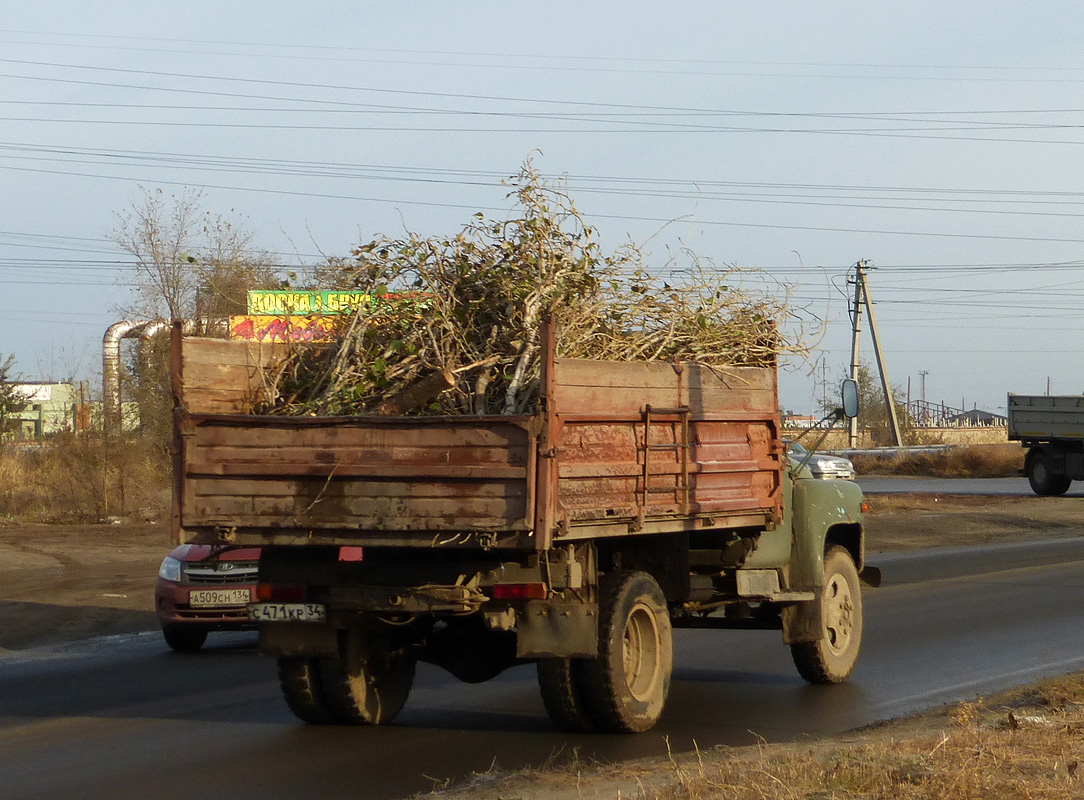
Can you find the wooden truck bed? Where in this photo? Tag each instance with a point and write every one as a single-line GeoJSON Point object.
{"type": "Point", "coordinates": [578, 468]}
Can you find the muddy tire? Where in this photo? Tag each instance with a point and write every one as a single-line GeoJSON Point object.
{"type": "Point", "coordinates": [366, 684]}
{"type": "Point", "coordinates": [183, 638]}
{"type": "Point", "coordinates": [1044, 481]}
{"type": "Point", "coordinates": [303, 689]}
{"type": "Point", "coordinates": [831, 657]}
{"type": "Point", "coordinates": [562, 684]}
{"type": "Point", "coordinates": [627, 683]}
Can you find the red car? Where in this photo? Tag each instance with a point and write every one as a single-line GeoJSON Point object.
{"type": "Point", "coordinates": [203, 588]}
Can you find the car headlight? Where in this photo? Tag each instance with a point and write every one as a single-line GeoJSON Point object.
{"type": "Point", "coordinates": [170, 569]}
{"type": "Point", "coordinates": [823, 465]}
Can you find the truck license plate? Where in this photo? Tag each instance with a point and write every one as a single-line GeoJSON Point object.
{"type": "Point", "coordinates": [287, 612]}
{"type": "Point", "coordinates": [211, 598]}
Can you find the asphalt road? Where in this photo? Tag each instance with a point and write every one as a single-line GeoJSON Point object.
{"type": "Point", "coordinates": [979, 486]}
{"type": "Point", "coordinates": [125, 718]}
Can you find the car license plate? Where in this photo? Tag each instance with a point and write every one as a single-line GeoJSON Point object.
{"type": "Point", "coordinates": [211, 598]}
{"type": "Point", "coordinates": [287, 612]}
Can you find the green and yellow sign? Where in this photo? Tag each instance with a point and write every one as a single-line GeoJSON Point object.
{"type": "Point", "coordinates": [282, 303]}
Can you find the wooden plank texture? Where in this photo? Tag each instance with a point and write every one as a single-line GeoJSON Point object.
{"type": "Point", "coordinates": [364, 474]}
{"type": "Point", "coordinates": [599, 387]}
{"type": "Point", "coordinates": [462, 474]}
{"type": "Point", "coordinates": [222, 376]}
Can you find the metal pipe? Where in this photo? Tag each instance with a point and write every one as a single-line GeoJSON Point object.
{"type": "Point", "coordinates": [112, 414]}
{"type": "Point", "coordinates": [111, 403]}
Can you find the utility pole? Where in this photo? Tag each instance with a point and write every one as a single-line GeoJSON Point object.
{"type": "Point", "coordinates": [856, 325]}
{"type": "Point", "coordinates": [861, 297]}
{"type": "Point", "coordinates": [922, 375]}
{"type": "Point", "coordinates": [824, 385]}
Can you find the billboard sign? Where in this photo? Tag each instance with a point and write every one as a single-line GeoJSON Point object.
{"type": "Point", "coordinates": [282, 303]}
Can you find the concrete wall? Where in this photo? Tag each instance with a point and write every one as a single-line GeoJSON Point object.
{"type": "Point", "coordinates": [837, 437]}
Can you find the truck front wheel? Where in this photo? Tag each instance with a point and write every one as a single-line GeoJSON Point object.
{"type": "Point", "coordinates": [303, 689]}
{"type": "Point", "coordinates": [831, 657]}
{"type": "Point", "coordinates": [1044, 480]}
{"type": "Point", "coordinates": [562, 684]}
{"type": "Point", "coordinates": [627, 682]}
{"type": "Point", "coordinates": [366, 684]}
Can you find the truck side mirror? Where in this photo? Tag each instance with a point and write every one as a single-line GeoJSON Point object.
{"type": "Point", "coordinates": [850, 398]}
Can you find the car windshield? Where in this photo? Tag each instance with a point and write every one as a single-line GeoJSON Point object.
{"type": "Point", "coordinates": [797, 450]}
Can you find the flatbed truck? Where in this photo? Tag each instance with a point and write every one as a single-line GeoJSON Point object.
{"type": "Point", "coordinates": [1052, 429]}
{"type": "Point", "coordinates": [637, 498]}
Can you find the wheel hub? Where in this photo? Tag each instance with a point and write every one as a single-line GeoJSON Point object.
{"type": "Point", "coordinates": [838, 614]}
{"type": "Point", "coordinates": [641, 652]}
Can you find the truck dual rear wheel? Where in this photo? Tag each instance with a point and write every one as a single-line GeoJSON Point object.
{"type": "Point", "coordinates": [1042, 477]}
{"type": "Point", "coordinates": [366, 684]}
{"type": "Point", "coordinates": [303, 689]}
{"type": "Point", "coordinates": [625, 686]}
{"type": "Point", "coordinates": [563, 694]}
{"type": "Point", "coordinates": [831, 657]}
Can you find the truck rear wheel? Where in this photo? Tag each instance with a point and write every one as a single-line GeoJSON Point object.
{"type": "Point", "coordinates": [831, 657]}
{"type": "Point", "coordinates": [562, 684]}
{"type": "Point", "coordinates": [303, 689]}
{"type": "Point", "coordinates": [1042, 477]}
{"type": "Point", "coordinates": [627, 683]}
{"type": "Point", "coordinates": [366, 684]}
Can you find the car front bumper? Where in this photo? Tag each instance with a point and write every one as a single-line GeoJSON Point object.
{"type": "Point", "coordinates": [171, 604]}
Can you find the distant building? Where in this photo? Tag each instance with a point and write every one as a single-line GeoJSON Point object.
{"type": "Point", "coordinates": [51, 408]}
{"type": "Point", "coordinates": [790, 420]}
{"type": "Point", "coordinates": [977, 418]}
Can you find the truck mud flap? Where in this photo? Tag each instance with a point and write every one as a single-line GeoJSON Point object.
{"type": "Point", "coordinates": [557, 630]}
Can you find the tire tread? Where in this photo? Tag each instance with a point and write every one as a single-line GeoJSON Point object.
{"type": "Point", "coordinates": [303, 690]}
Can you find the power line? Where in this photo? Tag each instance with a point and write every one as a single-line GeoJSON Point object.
{"type": "Point", "coordinates": [548, 59]}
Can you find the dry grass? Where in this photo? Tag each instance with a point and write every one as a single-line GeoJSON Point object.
{"type": "Point", "coordinates": [974, 461]}
{"type": "Point", "coordinates": [84, 478]}
{"type": "Point", "coordinates": [1026, 744]}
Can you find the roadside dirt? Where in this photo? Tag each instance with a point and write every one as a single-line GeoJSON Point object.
{"type": "Point", "coordinates": [61, 583]}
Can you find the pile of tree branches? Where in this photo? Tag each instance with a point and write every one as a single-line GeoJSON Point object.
{"type": "Point", "coordinates": [453, 324]}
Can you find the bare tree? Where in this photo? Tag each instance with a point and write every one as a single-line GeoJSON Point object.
{"type": "Point", "coordinates": [190, 263]}
{"type": "Point", "coordinates": [161, 232]}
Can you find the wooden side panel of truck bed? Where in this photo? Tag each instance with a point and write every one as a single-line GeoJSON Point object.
{"type": "Point", "coordinates": [712, 448]}
{"type": "Point", "coordinates": [618, 449]}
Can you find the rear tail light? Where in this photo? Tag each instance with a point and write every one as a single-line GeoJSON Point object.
{"type": "Point", "coordinates": [268, 593]}
{"type": "Point", "coordinates": [350, 553]}
{"type": "Point", "coordinates": [519, 591]}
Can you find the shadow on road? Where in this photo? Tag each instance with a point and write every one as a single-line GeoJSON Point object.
{"type": "Point", "coordinates": [24, 625]}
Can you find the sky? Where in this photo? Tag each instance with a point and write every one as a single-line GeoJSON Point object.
{"type": "Point", "coordinates": [942, 143]}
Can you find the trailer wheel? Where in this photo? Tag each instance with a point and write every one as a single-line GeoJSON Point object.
{"type": "Point", "coordinates": [831, 657]}
{"type": "Point", "coordinates": [1044, 481]}
{"type": "Point", "coordinates": [627, 683]}
{"type": "Point", "coordinates": [303, 689]}
{"type": "Point", "coordinates": [366, 684]}
{"type": "Point", "coordinates": [562, 684]}
{"type": "Point", "coordinates": [184, 638]}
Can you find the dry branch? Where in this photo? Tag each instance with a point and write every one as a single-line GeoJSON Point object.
{"type": "Point", "coordinates": [477, 298]}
